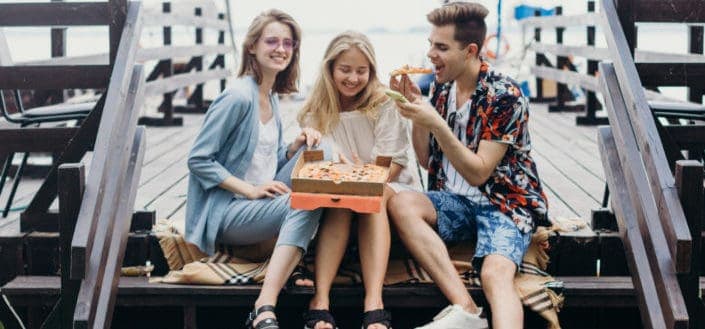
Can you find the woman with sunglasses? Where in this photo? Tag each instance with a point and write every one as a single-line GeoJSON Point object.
{"type": "Point", "coordinates": [240, 168]}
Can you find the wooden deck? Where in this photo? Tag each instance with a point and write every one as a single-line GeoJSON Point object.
{"type": "Point", "coordinates": [567, 158]}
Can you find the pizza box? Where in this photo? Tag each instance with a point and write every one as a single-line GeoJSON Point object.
{"type": "Point", "coordinates": [308, 193]}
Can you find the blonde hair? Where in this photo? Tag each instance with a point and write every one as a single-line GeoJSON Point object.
{"type": "Point", "coordinates": [468, 19]}
{"type": "Point", "coordinates": [322, 108]}
{"type": "Point", "coordinates": [287, 80]}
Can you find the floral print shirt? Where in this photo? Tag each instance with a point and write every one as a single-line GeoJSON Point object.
{"type": "Point", "coordinates": [500, 113]}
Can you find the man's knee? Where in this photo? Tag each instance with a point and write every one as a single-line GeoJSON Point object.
{"type": "Point", "coordinates": [497, 270]}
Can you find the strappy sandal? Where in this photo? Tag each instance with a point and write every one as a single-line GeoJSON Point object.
{"type": "Point", "coordinates": [312, 317]}
{"type": "Point", "coordinates": [379, 316]}
{"type": "Point", "coordinates": [266, 323]}
{"type": "Point", "coordinates": [299, 273]}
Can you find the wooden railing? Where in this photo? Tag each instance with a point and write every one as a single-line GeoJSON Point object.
{"type": "Point", "coordinates": [191, 73]}
{"type": "Point", "coordinates": [661, 252]}
{"type": "Point", "coordinates": [95, 217]}
{"type": "Point", "coordinates": [561, 72]}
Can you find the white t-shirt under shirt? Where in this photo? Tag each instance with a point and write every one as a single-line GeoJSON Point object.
{"type": "Point", "coordinates": [456, 183]}
{"type": "Point", "coordinates": [263, 167]}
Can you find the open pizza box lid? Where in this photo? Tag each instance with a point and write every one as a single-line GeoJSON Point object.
{"type": "Point", "coordinates": [360, 196]}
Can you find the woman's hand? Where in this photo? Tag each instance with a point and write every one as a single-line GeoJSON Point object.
{"type": "Point", "coordinates": [309, 136]}
{"type": "Point", "coordinates": [267, 190]}
{"type": "Point", "coordinates": [406, 87]}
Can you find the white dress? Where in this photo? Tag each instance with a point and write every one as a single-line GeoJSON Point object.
{"type": "Point", "coordinates": [386, 135]}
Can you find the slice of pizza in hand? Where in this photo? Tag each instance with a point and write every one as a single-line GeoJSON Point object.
{"type": "Point", "coordinates": [395, 95]}
{"type": "Point", "coordinates": [406, 69]}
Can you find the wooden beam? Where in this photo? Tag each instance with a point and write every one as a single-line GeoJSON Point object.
{"type": "Point", "coordinates": [72, 177]}
{"type": "Point", "coordinates": [645, 56]}
{"type": "Point", "coordinates": [634, 248]}
{"type": "Point", "coordinates": [54, 14]}
{"type": "Point", "coordinates": [147, 54]}
{"type": "Point", "coordinates": [177, 81]}
{"type": "Point", "coordinates": [589, 52]}
{"type": "Point", "coordinates": [113, 113]}
{"type": "Point", "coordinates": [648, 142]}
{"type": "Point", "coordinates": [670, 74]}
{"type": "Point", "coordinates": [101, 244]}
{"type": "Point", "coordinates": [687, 135]}
{"type": "Point", "coordinates": [567, 77]}
{"type": "Point", "coordinates": [672, 11]}
{"type": "Point", "coordinates": [689, 181]}
{"type": "Point", "coordinates": [126, 204]}
{"type": "Point", "coordinates": [99, 59]}
{"type": "Point", "coordinates": [35, 139]}
{"type": "Point", "coordinates": [560, 21]}
{"type": "Point", "coordinates": [55, 77]}
{"type": "Point", "coordinates": [161, 19]}
{"type": "Point", "coordinates": [661, 256]}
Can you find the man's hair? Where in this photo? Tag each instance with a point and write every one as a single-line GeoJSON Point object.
{"type": "Point", "coordinates": [468, 19]}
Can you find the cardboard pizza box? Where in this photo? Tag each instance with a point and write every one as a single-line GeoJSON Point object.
{"type": "Point", "coordinates": [308, 193]}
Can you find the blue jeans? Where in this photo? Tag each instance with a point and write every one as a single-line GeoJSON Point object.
{"type": "Point", "coordinates": [460, 219]}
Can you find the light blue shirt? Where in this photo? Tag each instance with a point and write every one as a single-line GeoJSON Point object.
{"type": "Point", "coordinates": [224, 148]}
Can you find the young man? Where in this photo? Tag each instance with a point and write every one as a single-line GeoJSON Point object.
{"type": "Point", "coordinates": [483, 183]}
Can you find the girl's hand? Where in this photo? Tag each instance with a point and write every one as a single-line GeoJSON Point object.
{"type": "Point", "coordinates": [268, 190]}
{"type": "Point", "coordinates": [309, 136]}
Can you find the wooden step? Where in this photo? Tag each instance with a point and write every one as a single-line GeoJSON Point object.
{"type": "Point", "coordinates": [580, 292]}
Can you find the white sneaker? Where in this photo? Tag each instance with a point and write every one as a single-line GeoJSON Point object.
{"type": "Point", "coordinates": [455, 317]}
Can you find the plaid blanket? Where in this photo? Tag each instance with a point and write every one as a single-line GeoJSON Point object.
{"type": "Point", "coordinates": [537, 289]}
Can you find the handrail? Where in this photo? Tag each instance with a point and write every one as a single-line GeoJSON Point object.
{"type": "Point", "coordinates": [105, 142]}
{"type": "Point", "coordinates": [561, 21]}
{"type": "Point", "coordinates": [652, 153]}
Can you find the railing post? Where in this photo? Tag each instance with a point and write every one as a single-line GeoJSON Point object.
{"type": "Point", "coordinates": [591, 104]}
{"type": "Point", "coordinates": [689, 181]}
{"type": "Point", "coordinates": [118, 15]}
{"type": "Point", "coordinates": [220, 60]}
{"type": "Point", "coordinates": [167, 106]}
{"type": "Point", "coordinates": [58, 49]}
{"type": "Point", "coordinates": [695, 45]}
{"type": "Point", "coordinates": [562, 92]}
{"type": "Point", "coordinates": [537, 39]}
{"type": "Point", "coordinates": [196, 97]}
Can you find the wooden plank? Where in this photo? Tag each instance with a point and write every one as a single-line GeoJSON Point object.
{"type": "Point", "coordinates": [689, 182]}
{"type": "Point", "coordinates": [590, 52]}
{"type": "Point", "coordinates": [552, 178]}
{"type": "Point", "coordinates": [670, 74]}
{"type": "Point", "coordinates": [687, 135]}
{"type": "Point", "coordinates": [101, 244]}
{"type": "Point", "coordinates": [672, 11]}
{"type": "Point", "coordinates": [99, 59]}
{"type": "Point", "coordinates": [178, 81]}
{"type": "Point", "coordinates": [581, 292]}
{"type": "Point", "coordinates": [111, 135]}
{"type": "Point", "coordinates": [55, 77]}
{"type": "Point", "coordinates": [72, 177]}
{"type": "Point", "coordinates": [167, 52]}
{"type": "Point", "coordinates": [648, 142]}
{"type": "Point", "coordinates": [161, 19]}
{"type": "Point", "coordinates": [54, 14]}
{"type": "Point", "coordinates": [35, 139]}
{"type": "Point", "coordinates": [644, 56]}
{"type": "Point", "coordinates": [565, 76]}
{"type": "Point", "coordinates": [560, 21]}
{"type": "Point", "coordinates": [128, 191]}
{"type": "Point", "coordinates": [635, 250]}
{"type": "Point", "coordinates": [661, 256]}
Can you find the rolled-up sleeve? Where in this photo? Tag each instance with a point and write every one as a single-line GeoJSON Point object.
{"type": "Point", "coordinates": [224, 115]}
{"type": "Point", "coordinates": [392, 135]}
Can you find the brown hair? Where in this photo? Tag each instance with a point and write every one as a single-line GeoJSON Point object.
{"type": "Point", "coordinates": [322, 107]}
{"type": "Point", "coordinates": [468, 19]}
{"type": "Point", "coordinates": [286, 81]}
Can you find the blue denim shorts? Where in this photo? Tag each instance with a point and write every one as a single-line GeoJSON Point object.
{"type": "Point", "coordinates": [460, 219]}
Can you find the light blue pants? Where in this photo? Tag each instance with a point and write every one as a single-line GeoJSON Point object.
{"type": "Point", "coordinates": [252, 221]}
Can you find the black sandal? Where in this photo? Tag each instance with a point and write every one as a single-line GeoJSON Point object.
{"type": "Point", "coordinates": [379, 316]}
{"type": "Point", "coordinates": [266, 323]}
{"type": "Point", "coordinates": [312, 317]}
{"type": "Point", "coordinates": [300, 273]}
